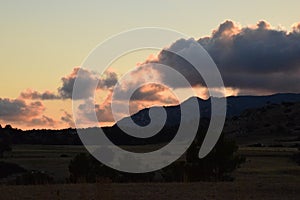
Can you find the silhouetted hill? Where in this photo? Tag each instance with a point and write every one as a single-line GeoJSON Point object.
{"type": "Point", "coordinates": [249, 119]}
{"type": "Point", "coordinates": [235, 106]}
{"type": "Point", "coordinates": [268, 125]}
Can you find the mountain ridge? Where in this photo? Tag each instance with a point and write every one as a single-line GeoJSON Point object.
{"type": "Point", "coordinates": [235, 106]}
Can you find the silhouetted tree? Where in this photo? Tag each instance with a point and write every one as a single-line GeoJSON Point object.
{"type": "Point", "coordinates": [5, 142]}
{"type": "Point", "coordinates": [8, 126]}
{"type": "Point", "coordinates": [296, 156]}
{"type": "Point", "coordinates": [222, 160]}
{"type": "Point", "coordinates": [7, 169]}
{"type": "Point", "coordinates": [34, 178]}
{"type": "Point", "coordinates": [86, 168]}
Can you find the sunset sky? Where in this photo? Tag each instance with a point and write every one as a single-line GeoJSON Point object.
{"type": "Point", "coordinates": [43, 42]}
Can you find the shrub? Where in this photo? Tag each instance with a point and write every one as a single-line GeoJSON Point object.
{"type": "Point", "coordinates": [8, 169]}
{"type": "Point", "coordinates": [217, 165]}
{"type": "Point", "coordinates": [85, 168]}
{"type": "Point", "coordinates": [296, 157]}
{"type": "Point", "coordinates": [34, 178]}
{"type": "Point", "coordinates": [5, 142]}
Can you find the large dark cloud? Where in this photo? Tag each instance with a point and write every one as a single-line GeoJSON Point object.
{"type": "Point", "coordinates": [253, 50]}
{"type": "Point", "coordinates": [258, 58]}
{"type": "Point", "coordinates": [251, 59]}
{"type": "Point", "coordinates": [169, 58]}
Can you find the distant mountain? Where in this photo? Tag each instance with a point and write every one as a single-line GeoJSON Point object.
{"type": "Point", "coordinates": [272, 124]}
{"type": "Point", "coordinates": [250, 119]}
{"type": "Point", "coordinates": [236, 105]}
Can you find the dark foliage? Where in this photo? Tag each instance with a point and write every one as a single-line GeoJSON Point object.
{"type": "Point", "coordinates": [5, 142]}
{"type": "Point", "coordinates": [296, 157]}
{"type": "Point", "coordinates": [8, 169]}
{"type": "Point", "coordinates": [42, 137]}
{"type": "Point", "coordinates": [34, 178]}
{"type": "Point", "coordinates": [85, 168]}
{"type": "Point", "coordinates": [218, 165]}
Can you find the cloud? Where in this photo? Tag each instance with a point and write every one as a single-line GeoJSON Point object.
{"type": "Point", "coordinates": [259, 58]}
{"type": "Point", "coordinates": [23, 114]}
{"type": "Point", "coordinates": [86, 80]}
{"type": "Point", "coordinates": [169, 58]}
{"type": "Point", "coordinates": [108, 81]}
{"type": "Point", "coordinates": [68, 119]}
{"type": "Point", "coordinates": [151, 92]}
{"type": "Point", "coordinates": [255, 50]}
{"type": "Point", "coordinates": [16, 109]}
{"type": "Point", "coordinates": [88, 109]}
{"type": "Point", "coordinates": [296, 27]}
{"type": "Point", "coordinates": [144, 97]}
{"type": "Point", "coordinates": [35, 95]}
{"type": "Point", "coordinates": [254, 58]}
{"type": "Point", "coordinates": [42, 121]}
{"type": "Point", "coordinates": [154, 92]}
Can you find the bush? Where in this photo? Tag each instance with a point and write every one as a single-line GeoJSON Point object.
{"type": "Point", "coordinates": [174, 172]}
{"type": "Point", "coordinates": [5, 142]}
{"type": "Point", "coordinates": [296, 157]}
{"type": "Point", "coordinates": [85, 168]}
{"type": "Point", "coordinates": [217, 165]}
{"type": "Point", "coordinates": [64, 156]}
{"type": "Point", "coordinates": [34, 178]}
{"type": "Point", "coordinates": [8, 169]}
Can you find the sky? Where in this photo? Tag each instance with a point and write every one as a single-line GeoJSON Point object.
{"type": "Point", "coordinates": [42, 42]}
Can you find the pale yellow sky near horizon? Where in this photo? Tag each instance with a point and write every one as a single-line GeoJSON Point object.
{"type": "Point", "coordinates": [42, 41]}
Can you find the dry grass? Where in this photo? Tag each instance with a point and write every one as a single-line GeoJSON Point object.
{"type": "Point", "coordinates": [258, 189]}
{"type": "Point", "coordinates": [45, 158]}
{"type": "Point", "coordinates": [268, 174]}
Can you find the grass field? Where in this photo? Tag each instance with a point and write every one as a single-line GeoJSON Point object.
{"type": "Point", "coordinates": [268, 173]}
{"type": "Point", "coordinates": [46, 158]}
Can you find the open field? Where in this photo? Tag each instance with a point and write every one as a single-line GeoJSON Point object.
{"type": "Point", "coordinates": [268, 173]}
{"type": "Point", "coordinates": [53, 159]}
{"type": "Point", "coordinates": [259, 188]}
